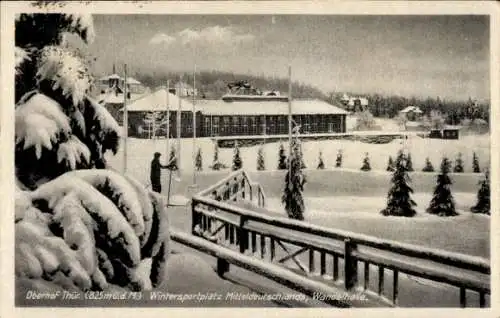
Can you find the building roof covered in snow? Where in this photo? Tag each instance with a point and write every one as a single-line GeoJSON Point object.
{"type": "Point", "coordinates": [133, 81]}
{"type": "Point", "coordinates": [220, 107]}
{"type": "Point", "coordinates": [130, 80]}
{"type": "Point", "coordinates": [157, 101]}
{"type": "Point", "coordinates": [363, 101]}
{"type": "Point", "coordinates": [414, 109]}
{"type": "Point", "coordinates": [112, 98]}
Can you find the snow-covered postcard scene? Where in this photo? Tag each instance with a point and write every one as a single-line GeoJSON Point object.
{"type": "Point", "coordinates": [252, 160]}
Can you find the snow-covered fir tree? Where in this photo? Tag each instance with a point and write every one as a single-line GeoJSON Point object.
{"type": "Point", "coordinates": [216, 164]}
{"type": "Point", "coordinates": [172, 158]}
{"type": "Point", "coordinates": [260, 159]}
{"type": "Point", "coordinates": [390, 164]}
{"type": "Point", "coordinates": [237, 162]}
{"type": "Point", "coordinates": [409, 163]}
{"type": "Point", "coordinates": [483, 196]}
{"type": "Point", "coordinates": [475, 163]}
{"type": "Point", "coordinates": [78, 224]}
{"type": "Point", "coordinates": [338, 161]}
{"type": "Point", "coordinates": [321, 163]}
{"type": "Point", "coordinates": [399, 201]}
{"type": "Point", "coordinates": [428, 166]}
{"type": "Point", "coordinates": [366, 163]}
{"type": "Point", "coordinates": [199, 161]}
{"type": "Point", "coordinates": [282, 163]}
{"type": "Point", "coordinates": [301, 156]}
{"type": "Point", "coordinates": [459, 164]}
{"type": "Point", "coordinates": [442, 202]}
{"type": "Point", "coordinates": [294, 185]}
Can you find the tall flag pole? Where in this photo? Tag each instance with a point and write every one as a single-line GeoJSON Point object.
{"type": "Point", "coordinates": [125, 120]}
{"type": "Point", "coordinates": [289, 116]}
{"type": "Point", "coordinates": [167, 157]}
{"type": "Point", "coordinates": [194, 125]}
{"type": "Point", "coordinates": [168, 119]}
{"type": "Point", "coordinates": [179, 87]}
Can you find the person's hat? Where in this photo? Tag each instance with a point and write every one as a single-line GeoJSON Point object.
{"type": "Point", "coordinates": [157, 154]}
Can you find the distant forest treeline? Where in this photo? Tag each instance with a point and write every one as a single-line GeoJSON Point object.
{"type": "Point", "coordinates": [213, 85]}
{"type": "Point", "coordinates": [454, 111]}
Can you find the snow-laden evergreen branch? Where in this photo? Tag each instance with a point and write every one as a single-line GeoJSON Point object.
{"type": "Point", "coordinates": [63, 70]}
{"type": "Point", "coordinates": [73, 152]}
{"type": "Point", "coordinates": [21, 55]}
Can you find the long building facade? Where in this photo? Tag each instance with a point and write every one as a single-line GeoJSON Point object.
{"type": "Point", "coordinates": [230, 117]}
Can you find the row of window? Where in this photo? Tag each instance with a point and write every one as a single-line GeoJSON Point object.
{"type": "Point", "coordinates": [251, 125]}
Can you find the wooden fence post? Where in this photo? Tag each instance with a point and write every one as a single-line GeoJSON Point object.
{"type": "Point", "coordinates": [194, 217]}
{"type": "Point", "coordinates": [222, 267]}
{"type": "Point", "coordinates": [350, 265]}
{"type": "Point", "coordinates": [242, 235]}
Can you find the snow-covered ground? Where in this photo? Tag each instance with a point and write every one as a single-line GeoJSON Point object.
{"type": "Point", "coordinates": [348, 198]}
{"type": "Point", "coordinates": [140, 152]}
{"type": "Point", "coordinates": [466, 233]}
{"type": "Point", "coordinates": [369, 207]}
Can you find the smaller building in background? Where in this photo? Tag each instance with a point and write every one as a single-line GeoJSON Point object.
{"type": "Point", "coordinates": [354, 104]}
{"type": "Point", "coordinates": [451, 132]}
{"type": "Point", "coordinates": [149, 112]}
{"type": "Point", "coordinates": [412, 113]}
{"type": "Point", "coordinates": [448, 132]}
{"type": "Point", "coordinates": [111, 93]}
{"type": "Point", "coordinates": [183, 89]}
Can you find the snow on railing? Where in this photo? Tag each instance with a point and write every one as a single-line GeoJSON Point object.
{"type": "Point", "coordinates": [280, 240]}
{"type": "Point", "coordinates": [294, 281]}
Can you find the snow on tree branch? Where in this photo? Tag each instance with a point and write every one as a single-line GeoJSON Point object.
{"type": "Point", "coordinates": [119, 233]}
{"type": "Point", "coordinates": [21, 55]}
{"type": "Point", "coordinates": [35, 236]}
{"type": "Point", "coordinates": [39, 123]}
{"type": "Point", "coordinates": [62, 69]}
{"type": "Point", "coordinates": [103, 127]}
{"type": "Point", "coordinates": [118, 189]}
{"type": "Point", "coordinates": [83, 25]}
{"type": "Point", "coordinates": [73, 151]}
{"type": "Point", "coordinates": [77, 227]}
{"type": "Point", "coordinates": [147, 210]}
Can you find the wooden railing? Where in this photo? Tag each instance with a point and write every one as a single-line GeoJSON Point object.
{"type": "Point", "coordinates": [280, 241]}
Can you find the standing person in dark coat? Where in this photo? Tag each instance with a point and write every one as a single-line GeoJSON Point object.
{"type": "Point", "coordinates": [156, 167]}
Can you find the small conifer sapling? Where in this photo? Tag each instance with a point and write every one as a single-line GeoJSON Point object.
{"type": "Point", "coordinates": [237, 162]}
{"type": "Point", "coordinates": [282, 163]}
{"type": "Point", "coordinates": [428, 166]}
{"type": "Point", "coordinates": [409, 163]}
{"type": "Point", "coordinates": [321, 163]}
{"type": "Point", "coordinates": [475, 163]}
{"type": "Point", "coordinates": [260, 159]}
{"type": "Point", "coordinates": [459, 164]}
{"type": "Point", "coordinates": [338, 161]}
{"type": "Point", "coordinates": [399, 201]}
{"type": "Point", "coordinates": [483, 196]}
{"type": "Point", "coordinates": [390, 164]}
{"type": "Point", "coordinates": [442, 202]}
{"type": "Point", "coordinates": [294, 186]}
{"type": "Point", "coordinates": [366, 163]}
{"type": "Point", "coordinates": [199, 161]}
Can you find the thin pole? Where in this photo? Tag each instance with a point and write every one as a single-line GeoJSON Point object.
{"type": "Point", "coordinates": [194, 125]}
{"type": "Point", "coordinates": [179, 125]}
{"type": "Point", "coordinates": [289, 115]}
{"type": "Point", "coordinates": [168, 119]}
{"type": "Point", "coordinates": [125, 120]}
